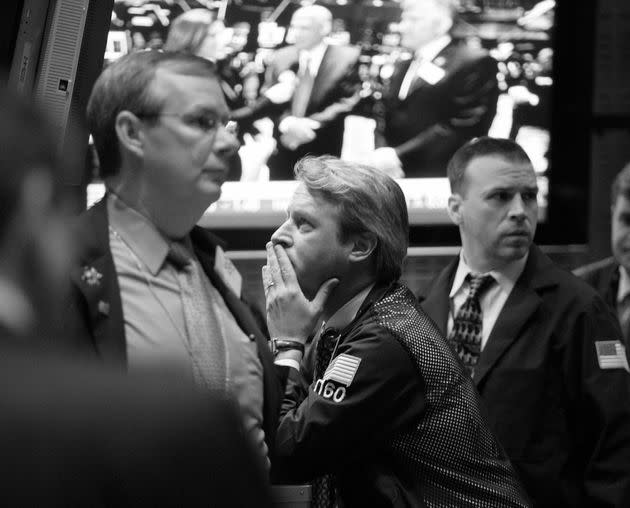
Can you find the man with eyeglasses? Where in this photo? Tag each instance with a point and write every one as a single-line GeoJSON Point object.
{"type": "Point", "coordinates": [150, 288]}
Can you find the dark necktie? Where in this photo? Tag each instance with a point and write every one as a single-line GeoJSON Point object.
{"type": "Point", "coordinates": [206, 342]}
{"type": "Point", "coordinates": [302, 93]}
{"type": "Point", "coordinates": [467, 326]}
{"type": "Point", "coordinates": [324, 487]}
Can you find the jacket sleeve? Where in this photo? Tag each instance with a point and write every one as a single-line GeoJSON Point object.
{"type": "Point", "coordinates": [472, 108]}
{"type": "Point", "coordinates": [325, 424]}
{"type": "Point", "coordinates": [603, 408]}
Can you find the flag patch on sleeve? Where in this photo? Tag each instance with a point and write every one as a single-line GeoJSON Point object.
{"type": "Point", "coordinates": [611, 354]}
{"type": "Point", "coordinates": [342, 369]}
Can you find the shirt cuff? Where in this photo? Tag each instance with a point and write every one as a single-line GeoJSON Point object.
{"type": "Point", "coordinates": [288, 362]}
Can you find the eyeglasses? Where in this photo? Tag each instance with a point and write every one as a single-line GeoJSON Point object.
{"type": "Point", "coordinates": [204, 122]}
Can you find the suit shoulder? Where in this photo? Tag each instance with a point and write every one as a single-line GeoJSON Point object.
{"type": "Point", "coordinates": [574, 290]}
{"type": "Point", "coordinates": [596, 269]}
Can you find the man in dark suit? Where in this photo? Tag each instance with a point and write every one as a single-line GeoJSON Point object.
{"type": "Point", "coordinates": [544, 349]}
{"type": "Point", "coordinates": [378, 403]}
{"type": "Point", "coordinates": [326, 89]}
{"type": "Point", "coordinates": [611, 276]}
{"type": "Point", "coordinates": [443, 96]}
{"type": "Point", "coordinates": [149, 288]}
{"type": "Point", "coordinates": [73, 434]}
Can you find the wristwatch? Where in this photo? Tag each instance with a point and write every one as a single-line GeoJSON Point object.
{"type": "Point", "coordinates": [278, 345]}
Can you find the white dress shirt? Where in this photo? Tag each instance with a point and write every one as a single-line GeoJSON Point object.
{"type": "Point", "coordinates": [491, 300]}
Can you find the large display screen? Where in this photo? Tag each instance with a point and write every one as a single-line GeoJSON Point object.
{"type": "Point", "coordinates": [519, 34]}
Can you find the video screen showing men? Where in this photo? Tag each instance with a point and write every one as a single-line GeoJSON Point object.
{"type": "Point", "coordinates": [543, 349]}
{"type": "Point", "coordinates": [151, 289]}
{"type": "Point", "coordinates": [378, 409]}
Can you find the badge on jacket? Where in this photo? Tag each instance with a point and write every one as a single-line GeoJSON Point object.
{"type": "Point", "coordinates": [430, 72]}
{"type": "Point", "coordinates": [338, 377]}
{"type": "Point", "coordinates": [611, 354]}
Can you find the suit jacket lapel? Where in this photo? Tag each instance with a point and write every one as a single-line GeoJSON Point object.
{"type": "Point", "coordinates": [520, 306]}
{"type": "Point", "coordinates": [328, 74]}
{"type": "Point", "coordinates": [95, 277]}
{"type": "Point", "coordinates": [437, 303]}
{"type": "Point", "coordinates": [205, 244]}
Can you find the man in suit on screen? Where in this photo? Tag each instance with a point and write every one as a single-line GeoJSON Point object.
{"type": "Point", "coordinates": [327, 84]}
{"type": "Point", "coordinates": [444, 95]}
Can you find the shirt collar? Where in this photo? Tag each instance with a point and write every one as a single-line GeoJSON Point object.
{"type": "Point", "coordinates": [506, 277]}
{"type": "Point", "coordinates": [624, 284]}
{"type": "Point", "coordinates": [314, 56]}
{"type": "Point", "coordinates": [432, 49]}
{"type": "Point", "coordinates": [138, 233]}
{"type": "Point", "coordinates": [344, 316]}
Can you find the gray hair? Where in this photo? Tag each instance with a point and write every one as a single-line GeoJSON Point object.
{"type": "Point", "coordinates": [368, 201]}
{"type": "Point", "coordinates": [126, 85]}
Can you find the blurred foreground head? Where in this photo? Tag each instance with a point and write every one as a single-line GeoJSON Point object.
{"type": "Point", "coordinates": [34, 252]}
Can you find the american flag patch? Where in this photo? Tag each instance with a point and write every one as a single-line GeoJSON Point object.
{"type": "Point", "coordinates": [611, 354]}
{"type": "Point", "coordinates": [342, 369]}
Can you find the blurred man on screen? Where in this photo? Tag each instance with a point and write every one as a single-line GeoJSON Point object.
{"type": "Point", "coordinates": [443, 96]}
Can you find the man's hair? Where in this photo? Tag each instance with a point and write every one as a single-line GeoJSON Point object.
{"type": "Point", "coordinates": [368, 201]}
{"type": "Point", "coordinates": [127, 85]}
{"type": "Point", "coordinates": [451, 6]}
{"type": "Point", "coordinates": [621, 185]}
{"type": "Point", "coordinates": [189, 30]}
{"type": "Point", "coordinates": [27, 146]}
{"type": "Point", "coordinates": [480, 147]}
{"type": "Point", "coordinates": [319, 13]}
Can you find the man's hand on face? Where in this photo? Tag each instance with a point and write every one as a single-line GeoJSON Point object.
{"type": "Point", "coordinates": [290, 315]}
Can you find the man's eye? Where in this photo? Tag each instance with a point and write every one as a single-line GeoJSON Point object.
{"type": "Point", "coordinates": [303, 224]}
{"type": "Point", "coordinates": [529, 196]}
{"type": "Point", "coordinates": [501, 196]}
{"type": "Point", "coordinates": [203, 122]}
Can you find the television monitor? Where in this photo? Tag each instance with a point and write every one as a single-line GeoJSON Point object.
{"type": "Point", "coordinates": [544, 62]}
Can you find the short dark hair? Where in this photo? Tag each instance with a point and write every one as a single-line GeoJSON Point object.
{"type": "Point", "coordinates": [368, 201]}
{"type": "Point", "coordinates": [27, 145]}
{"type": "Point", "coordinates": [480, 147]}
{"type": "Point", "coordinates": [126, 85]}
{"type": "Point", "coordinates": [621, 185]}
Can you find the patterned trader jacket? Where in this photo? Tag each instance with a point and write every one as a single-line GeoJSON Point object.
{"type": "Point", "coordinates": [402, 426]}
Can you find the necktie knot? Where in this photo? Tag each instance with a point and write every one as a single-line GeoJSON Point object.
{"type": "Point", "coordinates": [478, 284]}
{"type": "Point", "coordinates": [178, 255]}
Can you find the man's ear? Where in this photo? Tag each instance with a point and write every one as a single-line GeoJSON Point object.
{"type": "Point", "coordinates": [129, 129]}
{"type": "Point", "coordinates": [454, 208]}
{"type": "Point", "coordinates": [362, 246]}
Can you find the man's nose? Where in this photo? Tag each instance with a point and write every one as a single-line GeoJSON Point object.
{"type": "Point", "coordinates": [282, 235]}
{"type": "Point", "coordinates": [517, 207]}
